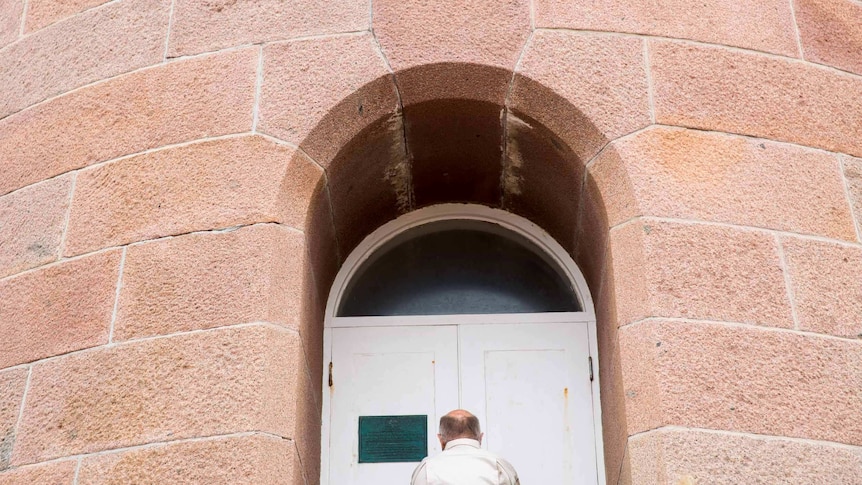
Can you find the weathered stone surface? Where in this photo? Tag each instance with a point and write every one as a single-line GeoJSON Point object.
{"type": "Point", "coordinates": [58, 309]}
{"type": "Point", "coordinates": [541, 178]}
{"type": "Point", "coordinates": [31, 225]}
{"type": "Point", "coordinates": [176, 102]}
{"type": "Point", "coordinates": [10, 20]}
{"type": "Point", "coordinates": [54, 473]}
{"type": "Point", "coordinates": [764, 26]}
{"type": "Point", "coordinates": [741, 378]}
{"type": "Point", "coordinates": [452, 41]}
{"type": "Point", "coordinates": [690, 174]}
{"type": "Point", "coordinates": [827, 286]}
{"type": "Point", "coordinates": [853, 178]}
{"type": "Point", "coordinates": [592, 237]}
{"type": "Point", "coordinates": [830, 33]}
{"type": "Point", "coordinates": [45, 12]}
{"type": "Point", "coordinates": [369, 184]}
{"type": "Point", "coordinates": [320, 106]}
{"type": "Point", "coordinates": [694, 456]}
{"type": "Point", "coordinates": [82, 50]}
{"type": "Point", "coordinates": [413, 32]}
{"type": "Point", "coordinates": [245, 459]}
{"type": "Point", "coordinates": [209, 185]}
{"type": "Point", "coordinates": [200, 25]}
{"type": "Point", "coordinates": [664, 269]}
{"type": "Point", "coordinates": [248, 378]}
{"type": "Point", "coordinates": [613, 402]}
{"type": "Point", "coordinates": [752, 94]}
{"type": "Point", "coordinates": [198, 281]}
{"type": "Point", "coordinates": [12, 386]}
{"type": "Point", "coordinates": [600, 85]}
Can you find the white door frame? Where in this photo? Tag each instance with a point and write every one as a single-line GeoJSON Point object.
{"type": "Point", "coordinates": [442, 212]}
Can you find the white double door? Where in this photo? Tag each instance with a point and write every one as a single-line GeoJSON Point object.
{"type": "Point", "coordinates": [529, 385]}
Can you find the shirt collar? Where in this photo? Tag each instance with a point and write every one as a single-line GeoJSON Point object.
{"type": "Point", "coordinates": [463, 442]}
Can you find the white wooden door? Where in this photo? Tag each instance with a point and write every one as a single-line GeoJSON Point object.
{"type": "Point", "coordinates": [386, 371]}
{"type": "Point", "coordinates": [529, 386]}
{"type": "Point", "coordinates": [527, 383]}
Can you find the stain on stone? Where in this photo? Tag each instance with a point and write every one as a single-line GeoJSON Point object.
{"type": "Point", "coordinates": [219, 6]}
{"type": "Point", "coordinates": [399, 172]}
{"type": "Point", "coordinates": [7, 439]}
{"type": "Point", "coordinates": [39, 249]}
{"type": "Point", "coordinates": [511, 178]}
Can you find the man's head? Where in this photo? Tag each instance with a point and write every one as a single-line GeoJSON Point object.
{"type": "Point", "coordinates": [459, 424]}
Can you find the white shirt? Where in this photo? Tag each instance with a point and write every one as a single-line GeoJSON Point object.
{"type": "Point", "coordinates": [464, 462]}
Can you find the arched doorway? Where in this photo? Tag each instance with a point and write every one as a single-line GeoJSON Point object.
{"type": "Point", "coordinates": [460, 306]}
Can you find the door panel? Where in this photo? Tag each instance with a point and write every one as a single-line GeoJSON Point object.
{"type": "Point", "coordinates": [387, 371]}
{"type": "Point", "coordinates": [529, 385]}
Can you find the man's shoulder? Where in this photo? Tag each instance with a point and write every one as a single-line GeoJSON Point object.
{"type": "Point", "coordinates": [503, 465]}
{"type": "Point", "coordinates": [508, 470]}
{"type": "Point", "coordinates": [418, 477]}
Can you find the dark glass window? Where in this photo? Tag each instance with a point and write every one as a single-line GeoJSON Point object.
{"type": "Point", "coordinates": [458, 267]}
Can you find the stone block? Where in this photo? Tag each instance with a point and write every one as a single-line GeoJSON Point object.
{"type": "Point", "coordinates": [827, 286]}
{"type": "Point", "coordinates": [687, 174]}
{"type": "Point", "coordinates": [741, 378]}
{"type": "Point", "coordinates": [10, 20]}
{"type": "Point", "coordinates": [199, 281]}
{"type": "Point", "coordinates": [593, 87]}
{"type": "Point", "coordinates": [200, 384]}
{"type": "Point", "coordinates": [664, 269]}
{"type": "Point", "coordinates": [46, 12]}
{"type": "Point", "coordinates": [244, 459]}
{"type": "Point", "coordinates": [208, 185]}
{"type": "Point", "coordinates": [450, 38]}
{"type": "Point", "coordinates": [720, 89]}
{"type": "Point", "coordinates": [853, 179]}
{"type": "Point", "coordinates": [82, 50]}
{"type": "Point", "coordinates": [32, 221]}
{"type": "Point", "coordinates": [58, 309]}
{"type": "Point", "coordinates": [54, 473]}
{"type": "Point", "coordinates": [200, 26]}
{"type": "Point", "coordinates": [541, 178]}
{"type": "Point", "coordinates": [172, 103]}
{"type": "Point", "coordinates": [694, 456]}
{"type": "Point", "coordinates": [12, 387]}
{"type": "Point", "coordinates": [320, 106]}
{"type": "Point", "coordinates": [829, 32]}
{"type": "Point", "coordinates": [764, 26]}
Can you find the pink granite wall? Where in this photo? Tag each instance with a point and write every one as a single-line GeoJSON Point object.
{"type": "Point", "coordinates": [181, 179]}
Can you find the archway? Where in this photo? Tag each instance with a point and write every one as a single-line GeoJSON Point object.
{"type": "Point", "coordinates": [471, 149]}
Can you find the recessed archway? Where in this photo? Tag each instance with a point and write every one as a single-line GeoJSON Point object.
{"type": "Point", "coordinates": [469, 149]}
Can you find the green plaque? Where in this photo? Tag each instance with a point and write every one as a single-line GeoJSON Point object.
{"type": "Point", "coordinates": [393, 439]}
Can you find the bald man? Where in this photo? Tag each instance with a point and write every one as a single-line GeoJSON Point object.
{"type": "Point", "coordinates": [463, 461]}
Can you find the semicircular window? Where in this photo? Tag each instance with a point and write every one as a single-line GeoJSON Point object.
{"type": "Point", "coordinates": [458, 267]}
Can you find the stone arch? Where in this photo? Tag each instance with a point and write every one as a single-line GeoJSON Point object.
{"type": "Point", "coordinates": [526, 158]}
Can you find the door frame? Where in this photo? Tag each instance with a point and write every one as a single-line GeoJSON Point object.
{"type": "Point", "coordinates": [443, 212]}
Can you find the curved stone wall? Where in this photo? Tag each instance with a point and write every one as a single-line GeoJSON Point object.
{"type": "Point", "coordinates": [181, 179]}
